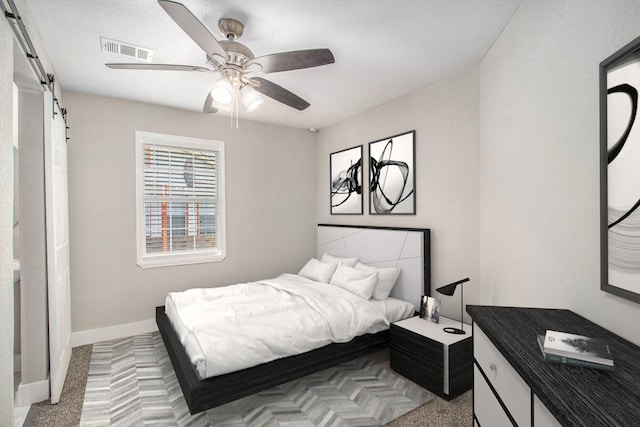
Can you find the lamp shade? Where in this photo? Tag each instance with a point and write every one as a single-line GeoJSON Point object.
{"type": "Point", "coordinates": [222, 91]}
{"type": "Point", "coordinates": [451, 288]}
{"type": "Point", "coordinates": [251, 99]}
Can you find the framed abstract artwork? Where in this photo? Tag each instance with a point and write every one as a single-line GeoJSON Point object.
{"type": "Point", "coordinates": [620, 172]}
{"type": "Point", "coordinates": [346, 181]}
{"type": "Point", "coordinates": [392, 178]}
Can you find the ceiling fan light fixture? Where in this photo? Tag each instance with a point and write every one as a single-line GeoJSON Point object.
{"type": "Point", "coordinates": [251, 99]}
{"type": "Point", "coordinates": [222, 91]}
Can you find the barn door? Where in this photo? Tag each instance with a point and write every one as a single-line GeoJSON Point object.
{"type": "Point", "coordinates": [57, 226]}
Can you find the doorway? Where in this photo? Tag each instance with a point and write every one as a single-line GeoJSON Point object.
{"type": "Point", "coordinates": [31, 325]}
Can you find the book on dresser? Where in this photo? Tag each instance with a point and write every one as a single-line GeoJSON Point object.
{"type": "Point", "coordinates": [577, 350]}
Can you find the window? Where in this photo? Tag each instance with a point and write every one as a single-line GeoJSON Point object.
{"type": "Point", "coordinates": [179, 200]}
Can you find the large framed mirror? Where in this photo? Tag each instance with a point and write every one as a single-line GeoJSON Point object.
{"type": "Point", "coordinates": [620, 172]}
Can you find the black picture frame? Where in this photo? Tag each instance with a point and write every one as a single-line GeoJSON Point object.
{"type": "Point", "coordinates": [429, 309]}
{"type": "Point", "coordinates": [345, 186]}
{"type": "Point", "coordinates": [423, 306]}
{"type": "Point", "coordinates": [392, 178]}
{"type": "Point", "coordinates": [620, 173]}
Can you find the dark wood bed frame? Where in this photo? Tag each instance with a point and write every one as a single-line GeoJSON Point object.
{"type": "Point", "coordinates": [204, 394]}
{"type": "Point", "coordinates": [201, 395]}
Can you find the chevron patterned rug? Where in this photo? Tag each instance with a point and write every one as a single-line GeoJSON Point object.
{"type": "Point", "coordinates": [131, 383]}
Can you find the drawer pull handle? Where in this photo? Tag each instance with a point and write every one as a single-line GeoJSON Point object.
{"type": "Point", "coordinates": [493, 367]}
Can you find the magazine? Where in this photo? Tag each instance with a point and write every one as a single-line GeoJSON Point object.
{"type": "Point", "coordinates": [578, 347]}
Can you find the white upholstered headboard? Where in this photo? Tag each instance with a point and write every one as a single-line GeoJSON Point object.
{"type": "Point", "coordinates": [407, 248]}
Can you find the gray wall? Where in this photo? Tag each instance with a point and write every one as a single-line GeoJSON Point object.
{"type": "Point", "coordinates": [271, 206]}
{"type": "Point", "coordinates": [539, 158]}
{"type": "Point", "coordinates": [445, 118]}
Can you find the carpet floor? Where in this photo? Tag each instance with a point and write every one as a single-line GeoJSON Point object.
{"type": "Point", "coordinates": [67, 412]}
{"type": "Point", "coordinates": [70, 412]}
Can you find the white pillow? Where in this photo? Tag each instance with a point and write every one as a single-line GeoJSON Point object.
{"type": "Point", "coordinates": [318, 270]}
{"type": "Point", "coordinates": [396, 309]}
{"type": "Point", "coordinates": [387, 277]}
{"type": "Point", "coordinates": [351, 262]}
{"type": "Point", "coordinates": [357, 282]}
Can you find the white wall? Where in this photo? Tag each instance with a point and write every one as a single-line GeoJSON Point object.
{"type": "Point", "coordinates": [270, 178]}
{"type": "Point", "coordinates": [508, 163]}
{"type": "Point", "coordinates": [539, 158]}
{"type": "Point", "coordinates": [445, 118]}
{"type": "Point", "coordinates": [507, 179]}
{"type": "Point", "coordinates": [33, 254]}
{"type": "Point", "coordinates": [6, 224]}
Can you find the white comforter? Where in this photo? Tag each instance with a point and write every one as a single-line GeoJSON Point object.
{"type": "Point", "coordinates": [230, 328]}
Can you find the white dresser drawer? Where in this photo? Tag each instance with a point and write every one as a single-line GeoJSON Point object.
{"type": "Point", "coordinates": [541, 415]}
{"type": "Point", "coordinates": [512, 389]}
{"type": "Point", "coordinates": [485, 405]}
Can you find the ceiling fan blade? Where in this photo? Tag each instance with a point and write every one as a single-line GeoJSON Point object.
{"type": "Point", "coordinates": [193, 27]}
{"type": "Point", "coordinates": [280, 94]}
{"type": "Point", "coordinates": [208, 105]}
{"type": "Point", "coordinates": [294, 60]}
{"type": "Point", "coordinates": [160, 67]}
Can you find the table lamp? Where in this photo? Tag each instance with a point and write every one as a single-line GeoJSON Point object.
{"type": "Point", "coordinates": [450, 290]}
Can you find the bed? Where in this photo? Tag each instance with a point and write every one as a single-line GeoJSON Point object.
{"type": "Point", "coordinates": [406, 248]}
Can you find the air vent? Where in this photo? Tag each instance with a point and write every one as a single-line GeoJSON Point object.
{"type": "Point", "coordinates": [126, 49]}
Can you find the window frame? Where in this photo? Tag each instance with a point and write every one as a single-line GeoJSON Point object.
{"type": "Point", "coordinates": [150, 260]}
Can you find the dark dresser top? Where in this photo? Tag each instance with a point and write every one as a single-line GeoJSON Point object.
{"type": "Point", "coordinates": [576, 396]}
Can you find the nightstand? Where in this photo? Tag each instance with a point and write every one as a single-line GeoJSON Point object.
{"type": "Point", "coordinates": [438, 361]}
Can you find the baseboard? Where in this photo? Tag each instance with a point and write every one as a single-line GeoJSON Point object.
{"type": "Point", "coordinates": [113, 332]}
{"type": "Point", "coordinates": [28, 394]}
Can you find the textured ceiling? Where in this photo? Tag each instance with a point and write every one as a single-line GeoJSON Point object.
{"type": "Point", "coordinates": [383, 48]}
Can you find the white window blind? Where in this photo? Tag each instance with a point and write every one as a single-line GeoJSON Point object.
{"type": "Point", "coordinates": [180, 201]}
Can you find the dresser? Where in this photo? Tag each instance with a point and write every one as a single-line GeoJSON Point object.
{"type": "Point", "coordinates": [514, 385]}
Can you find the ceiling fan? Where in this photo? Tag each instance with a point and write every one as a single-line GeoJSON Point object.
{"type": "Point", "coordinates": [235, 62]}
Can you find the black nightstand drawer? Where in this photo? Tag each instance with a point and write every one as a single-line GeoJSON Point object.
{"type": "Point", "coordinates": [427, 375]}
{"type": "Point", "coordinates": [411, 343]}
